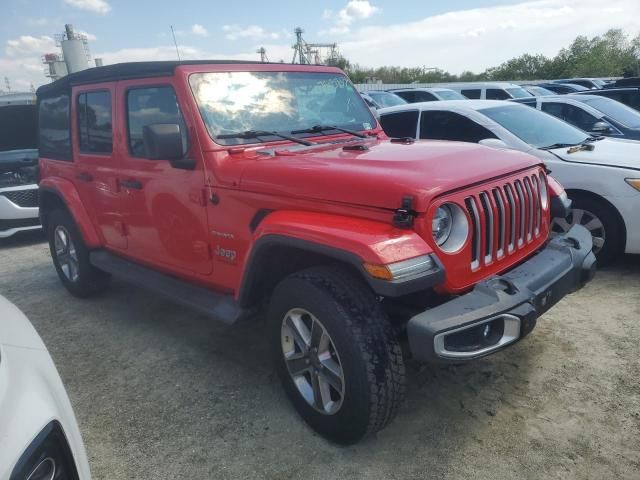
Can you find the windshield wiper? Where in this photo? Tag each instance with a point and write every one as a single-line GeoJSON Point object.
{"type": "Point", "coordinates": [248, 134]}
{"type": "Point", "coordinates": [559, 145]}
{"type": "Point", "coordinates": [595, 138]}
{"type": "Point", "coordinates": [324, 128]}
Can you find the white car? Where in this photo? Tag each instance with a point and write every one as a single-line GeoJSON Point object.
{"type": "Point", "coordinates": [39, 435]}
{"type": "Point", "coordinates": [427, 94]}
{"type": "Point", "coordinates": [18, 165]}
{"type": "Point", "coordinates": [488, 90]}
{"type": "Point", "coordinates": [601, 175]}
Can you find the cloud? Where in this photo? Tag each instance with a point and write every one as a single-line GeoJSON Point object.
{"type": "Point", "coordinates": [253, 32]}
{"type": "Point", "coordinates": [87, 35]}
{"type": "Point", "coordinates": [101, 7]}
{"type": "Point", "coordinates": [344, 18]}
{"type": "Point", "coordinates": [29, 45]}
{"type": "Point", "coordinates": [476, 39]}
{"type": "Point", "coordinates": [38, 22]}
{"type": "Point", "coordinates": [199, 30]}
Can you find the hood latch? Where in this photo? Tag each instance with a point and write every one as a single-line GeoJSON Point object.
{"type": "Point", "coordinates": [403, 216]}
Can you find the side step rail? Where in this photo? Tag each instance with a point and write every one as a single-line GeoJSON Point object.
{"type": "Point", "coordinates": [220, 307]}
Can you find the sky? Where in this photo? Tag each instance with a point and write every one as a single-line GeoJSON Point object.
{"type": "Point", "coordinates": [451, 35]}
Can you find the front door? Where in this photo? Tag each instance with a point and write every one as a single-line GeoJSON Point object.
{"type": "Point", "coordinates": [164, 207]}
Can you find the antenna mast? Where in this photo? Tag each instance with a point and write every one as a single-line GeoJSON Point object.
{"type": "Point", "coordinates": [173, 34]}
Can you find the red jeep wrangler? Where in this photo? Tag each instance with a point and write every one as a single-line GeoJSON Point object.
{"type": "Point", "coordinates": [230, 186]}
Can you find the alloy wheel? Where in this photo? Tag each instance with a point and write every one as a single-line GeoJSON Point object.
{"type": "Point", "coordinates": [587, 219]}
{"type": "Point", "coordinates": [312, 361]}
{"type": "Point", "coordinates": [66, 253]}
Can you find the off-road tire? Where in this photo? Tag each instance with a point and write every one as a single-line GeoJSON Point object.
{"type": "Point", "coordinates": [90, 280]}
{"type": "Point", "coordinates": [371, 357]}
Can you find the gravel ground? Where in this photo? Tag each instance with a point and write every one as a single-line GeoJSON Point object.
{"type": "Point", "coordinates": [161, 392]}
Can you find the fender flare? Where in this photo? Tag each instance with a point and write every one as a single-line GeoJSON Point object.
{"type": "Point", "coordinates": [69, 196]}
{"type": "Point", "coordinates": [347, 240]}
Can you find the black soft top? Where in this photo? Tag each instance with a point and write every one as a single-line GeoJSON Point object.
{"type": "Point", "coordinates": [124, 71]}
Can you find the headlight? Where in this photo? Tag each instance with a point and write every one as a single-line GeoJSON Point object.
{"type": "Point", "coordinates": [634, 182]}
{"type": "Point", "coordinates": [441, 224]}
{"type": "Point", "coordinates": [450, 227]}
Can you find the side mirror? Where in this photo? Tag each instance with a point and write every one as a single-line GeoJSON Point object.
{"type": "Point", "coordinates": [601, 127]}
{"type": "Point", "coordinates": [494, 142]}
{"type": "Point", "coordinates": [163, 141]}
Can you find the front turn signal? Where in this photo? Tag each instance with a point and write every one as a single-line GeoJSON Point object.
{"type": "Point", "coordinates": [400, 270]}
{"type": "Point", "coordinates": [634, 182]}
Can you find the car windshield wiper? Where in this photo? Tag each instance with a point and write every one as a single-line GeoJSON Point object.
{"type": "Point", "coordinates": [324, 128]}
{"type": "Point", "coordinates": [559, 145]}
{"type": "Point", "coordinates": [248, 134]}
{"type": "Point", "coordinates": [595, 138]}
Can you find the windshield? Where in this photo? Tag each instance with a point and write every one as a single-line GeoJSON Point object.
{"type": "Point", "coordinates": [518, 92]}
{"type": "Point", "coordinates": [534, 127]}
{"type": "Point", "coordinates": [450, 95]}
{"type": "Point", "coordinates": [619, 112]}
{"type": "Point", "coordinates": [232, 102]}
{"type": "Point", "coordinates": [386, 99]}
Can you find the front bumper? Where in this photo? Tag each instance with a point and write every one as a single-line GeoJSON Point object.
{"type": "Point", "coordinates": [503, 309]}
{"type": "Point", "coordinates": [15, 217]}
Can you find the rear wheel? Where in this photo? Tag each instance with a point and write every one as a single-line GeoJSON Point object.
{"type": "Point", "coordinates": [336, 354]}
{"type": "Point", "coordinates": [71, 257]}
{"type": "Point", "coordinates": [602, 221]}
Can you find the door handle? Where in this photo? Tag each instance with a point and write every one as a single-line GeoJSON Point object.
{"type": "Point", "coordinates": [131, 183]}
{"type": "Point", "coordinates": [85, 177]}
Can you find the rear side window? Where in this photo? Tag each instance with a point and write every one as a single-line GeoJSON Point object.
{"type": "Point", "coordinates": [19, 125]}
{"type": "Point", "coordinates": [409, 95]}
{"type": "Point", "coordinates": [54, 139]}
{"type": "Point", "coordinates": [94, 122]}
{"type": "Point", "coordinates": [400, 124]}
{"type": "Point", "coordinates": [442, 125]}
{"type": "Point", "coordinates": [150, 106]}
{"type": "Point", "coordinates": [425, 96]}
{"type": "Point", "coordinates": [471, 93]}
{"type": "Point", "coordinates": [497, 94]}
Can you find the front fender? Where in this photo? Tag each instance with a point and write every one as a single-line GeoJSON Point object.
{"type": "Point", "coordinates": [344, 239]}
{"type": "Point", "coordinates": [68, 194]}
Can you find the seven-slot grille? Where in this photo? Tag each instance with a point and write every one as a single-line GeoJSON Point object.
{"type": "Point", "coordinates": [505, 218]}
{"type": "Point", "coordinates": [22, 198]}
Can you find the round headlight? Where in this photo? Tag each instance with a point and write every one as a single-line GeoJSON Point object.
{"type": "Point", "coordinates": [441, 224]}
{"type": "Point", "coordinates": [450, 227]}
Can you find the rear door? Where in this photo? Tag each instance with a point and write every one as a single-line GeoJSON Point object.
{"type": "Point", "coordinates": [164, 207]}
{"type": "Point", "coordinates": [97, 162]}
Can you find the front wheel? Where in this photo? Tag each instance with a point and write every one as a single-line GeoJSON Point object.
{"type": "Point", "coordinates": [335, 352]}
{"type": "Point", "coordinates": [602, 221]}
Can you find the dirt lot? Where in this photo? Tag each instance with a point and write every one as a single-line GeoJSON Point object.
{"type": "Point", "coordinates": [161, 392]}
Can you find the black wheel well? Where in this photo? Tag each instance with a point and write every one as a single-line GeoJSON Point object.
{"type": "Point", "coordinates": [576, 192]}
{"type": "Point", "coordinates": [273, 262]}
{"type": "Point", "coordinates": [49, 201]}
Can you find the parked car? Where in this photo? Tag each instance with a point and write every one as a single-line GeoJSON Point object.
{"type": "Point", "coordinates": [489, 90]}
{"type": "Point", "coordinates": [624, 83]}
{"type": "Point", "coordinates": [591, 113]}
{"type": "Point", "coordinates": [601, 175]}
{"type": "Point", "coordinates": [18, 165]}
{"type": "Point", "coordinates": [426, 94]}
{"type": "Point", "coordinates": [228, 186]}
{"type": "Point", "coordinates": [563, 88]}
{"type": "Point", "coordinates": [381, 99]}
{"type": "Point", "coordinates": [40, 438]}
{"type": "Point", "coordinates": [538, 91]}
{"type": "Point", "coordinates": [629, 96]}
{"type": "Point", "coordinates": [589, 83]}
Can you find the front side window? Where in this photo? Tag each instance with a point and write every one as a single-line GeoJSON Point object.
{"type": "Point", "coordinates": [578, 117]}
{"type": "Point", "coordinates": [387, 99]}
{"type": "Point", "coordinates": [473, 93]}
{"type": "Point", "coordinates": [619, 112]}
{"type": "Point", "coordinates": [284, 102]}
{"type": "Point", "coordinates": [443, 125]}
{"type": "Point", "coordinates": [150, 106]}
{"type": "Point", "coordinates": [518, 92]}
{"type": "Point", "coordinates": [94, 122]}
{"type": "Point", "coordinates": [54, 139]}
{"type": "Point", "coordinates": [535, 127]}
{"type": "Point", "coordinates": [450, 95]}
{"type": "Point", "coordinates": [497, 94]}
{"type": "Point", "coordinates": [425, 96]}
{"type": "Point", "coordinates": [400, 124]}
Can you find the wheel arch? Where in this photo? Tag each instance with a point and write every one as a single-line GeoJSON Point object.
{"type": "Point", "coordinates": [62, 194]}
{"type": "Point", "coordinates": [573, 192]}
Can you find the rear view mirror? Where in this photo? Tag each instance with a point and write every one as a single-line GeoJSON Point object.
{"type": "Point", "coordinates": [493, 142]}
{"type": "Point", "coordinates": [601, 127]}
{"type": "Point", "coordinates": [162, 141]}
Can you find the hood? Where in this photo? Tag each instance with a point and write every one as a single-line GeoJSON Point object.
{"type": "Point", "coordinates": [380, 175]}
{"type": "Point", "coordinates": [612, 152]}
{"type": "Point", "coordinates": [15, 329]}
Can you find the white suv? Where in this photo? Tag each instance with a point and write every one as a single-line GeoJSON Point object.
{"type": "Point", "coordinates": [18, 165]}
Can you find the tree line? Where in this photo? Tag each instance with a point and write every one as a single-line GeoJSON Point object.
{"type": "Point", "coordinates": [614, 54]}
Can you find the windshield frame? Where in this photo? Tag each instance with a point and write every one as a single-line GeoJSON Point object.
{"type": "Point", "coordinates": [542, 115]}
{"type": "Point", "coordinates": [256, 141]}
